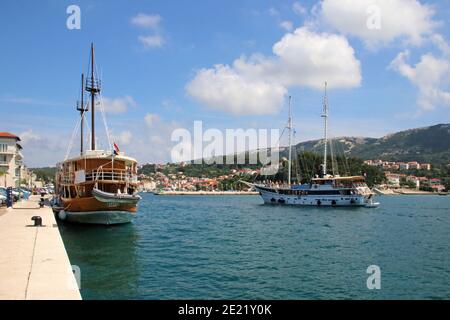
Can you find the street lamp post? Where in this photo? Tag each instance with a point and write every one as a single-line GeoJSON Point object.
{"type": "Point", "coordinates": [20, 178]}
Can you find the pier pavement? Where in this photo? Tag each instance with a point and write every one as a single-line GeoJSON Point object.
{"type": "Point", "coordinates": [33, 260]}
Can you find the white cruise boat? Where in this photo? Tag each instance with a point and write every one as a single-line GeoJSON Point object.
{"type": "Point", "coordinates": [327, 190]}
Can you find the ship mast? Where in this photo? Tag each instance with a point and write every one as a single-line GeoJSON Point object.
{"type": "Point", "coordinates": [290, 142]}
{"type": "Point", "coordinates": [325, 118]}
{"type": "Point", "coordinates": [93, 87]}
{"type": "Point", "coordinates": [81, 107]}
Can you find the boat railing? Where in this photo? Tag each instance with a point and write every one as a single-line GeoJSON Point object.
{"type": "Point", "coordinates": [108, 175]}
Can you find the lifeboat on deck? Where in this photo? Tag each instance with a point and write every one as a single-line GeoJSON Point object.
{"type": "Point", "coordinates": [122, 198]}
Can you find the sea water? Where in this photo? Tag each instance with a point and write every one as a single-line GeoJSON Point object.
{"type": "Point", "coordinates": [234, 247]}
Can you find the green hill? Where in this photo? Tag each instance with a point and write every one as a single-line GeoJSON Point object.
{"type": "Point", "coordinates": [428, 144]}
{"type": "Point", "coordinates": [46, 174]}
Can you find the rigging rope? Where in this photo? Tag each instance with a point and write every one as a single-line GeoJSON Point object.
{"type": "Point", "coordinates": [74, 133]}
{"type": "Point", "coordinates": [108, 135]}
{"type": "Point", "coordinates": [344, 159]}
{"type": "Point", "coordinates": [102, 110]}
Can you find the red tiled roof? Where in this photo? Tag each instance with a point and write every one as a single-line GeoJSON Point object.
{"type": "Point", "coordinates": [8, 135]}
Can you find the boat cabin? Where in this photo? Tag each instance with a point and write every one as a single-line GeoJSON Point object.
{"type": "Point", "coordinates": [77, 177]}
{"type": "Point", "coordinates": [339, 182]}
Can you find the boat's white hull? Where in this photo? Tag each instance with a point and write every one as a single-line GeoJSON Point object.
{"type": "Point", "coordinates": [270, 197]}
{"type": "Point", "coordinates": [98, 217]}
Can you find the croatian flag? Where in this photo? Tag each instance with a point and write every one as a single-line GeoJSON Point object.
{"type": "Point", "coordinates": [116, 149]}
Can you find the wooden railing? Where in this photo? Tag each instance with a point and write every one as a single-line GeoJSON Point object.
{"type": "Point", "coordinates": [102, 175]}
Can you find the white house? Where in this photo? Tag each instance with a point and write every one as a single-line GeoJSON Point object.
{"type": "Point", "coordinates": [393, 180]}
{"type": "Point", "coordinates": [10, 160]}
{"type": "Point", "coordinates": [414, 180]}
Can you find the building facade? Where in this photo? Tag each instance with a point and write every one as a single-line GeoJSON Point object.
{"type": "Point", "coordinates": [393, 180]}
{"type": "Point", "coordinates": [11, 160]}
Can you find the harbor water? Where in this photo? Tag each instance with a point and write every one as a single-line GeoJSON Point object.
{"type": "Point", "coordinates": [233, 247]}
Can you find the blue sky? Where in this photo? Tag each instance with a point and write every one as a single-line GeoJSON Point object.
{"type": "Point", "coordinates": [158, 58]}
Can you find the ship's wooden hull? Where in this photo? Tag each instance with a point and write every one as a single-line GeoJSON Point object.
{"type": "Point", "coordinates": [100, 217]}
{"type": "Point", "coordinates": [90, 210]}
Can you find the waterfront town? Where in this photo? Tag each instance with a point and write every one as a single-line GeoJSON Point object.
{"type": "Point", "coordinates": [397, 175]}
{"type": "Point", "coordinates": [180, 182]}
{"type": "Point", "coordinates": [14, 173]}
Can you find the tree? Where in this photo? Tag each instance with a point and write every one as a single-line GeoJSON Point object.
{"type": "Point", "coordinates": [447, 184]}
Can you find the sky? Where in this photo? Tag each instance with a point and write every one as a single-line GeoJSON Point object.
{"type": "Point", "coordinates": [229, 64]}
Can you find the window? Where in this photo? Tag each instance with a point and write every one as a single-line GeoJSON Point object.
{"type": "Point", "coordinates": [2, 158]}
{"type": "Point", "coordinates": [3, 147]}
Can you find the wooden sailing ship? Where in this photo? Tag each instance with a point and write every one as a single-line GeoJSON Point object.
{"type": "Point", "coordinates": [97, 186]}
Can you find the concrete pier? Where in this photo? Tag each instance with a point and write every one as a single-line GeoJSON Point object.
{"type": "Point", "coordinates": [33, 260]}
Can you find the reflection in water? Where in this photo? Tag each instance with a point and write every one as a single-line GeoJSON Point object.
{"type": "Point", "coordinates": [106, 256]}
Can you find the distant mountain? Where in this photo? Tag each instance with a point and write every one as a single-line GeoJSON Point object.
{"type": "Point", "coordinates": [428, 144]}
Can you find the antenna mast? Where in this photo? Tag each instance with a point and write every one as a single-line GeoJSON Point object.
{"type": "Point", "coordinates": [92, 86]}
{"type": "Point", "coordinates": [290, 142]}
{"type": "Point", "coordinates": [325, 118]}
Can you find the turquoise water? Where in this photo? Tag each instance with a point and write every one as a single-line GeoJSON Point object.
{"type": "Point", "coordinates": [233, 247]}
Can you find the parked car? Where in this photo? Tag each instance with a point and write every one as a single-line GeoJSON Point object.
{"type": "Point", "coordinates": [2, 195]}
{"type": "Point", "coordinates": [41, 190]}
{"type": "Point", "coordinates": [15, 194]}
{"type": "Point", "coordinates": [25, 190]}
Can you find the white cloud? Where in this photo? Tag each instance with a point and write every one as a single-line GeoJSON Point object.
{"type": "Point", "coordinates": [151, 119]}
{"type": "Point", "coordinates": [430, 76]}
{"type": "Point", "coordinates": [158, 134]}
{"type": "Point", "coordinates": [28, 136]}
{"type": "Point", "coordinates": [441, 43]}
{"type": "Point", "coordinates": [287, 25]}
{"type": "Point", "coordinates": [298, 8]}
{"type": "Point", "coordinates": [151, 21]}
{"type": "Point", "coordinates": [44, 149]}
{"type": "Point", "coordinates": [118, 105]}
{"type": "Point", "coordinates": [407, 20]}
{"type": "Point", "coordinates": [257, 85]}
{"type": "Point", "coordinates": [225, 89]}
{"type": "Point", "coordinates": [306, 58]}
{"type": "Point", "coordinates": [273, 12]}
{"type": "Point", "coordinates": [157, 140]}
{"type": "Point", "coordinates": [124, 137]}
{"type": "Point", "coordinates": [167, 103]}
{"type": "Point", "coordinates": [152, 41]}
